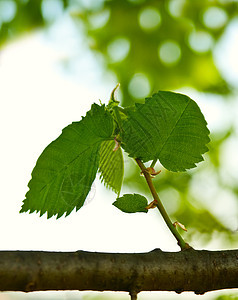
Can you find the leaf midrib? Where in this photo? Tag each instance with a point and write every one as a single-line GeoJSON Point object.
{"type": "Point", "coordinates": [172, 129]}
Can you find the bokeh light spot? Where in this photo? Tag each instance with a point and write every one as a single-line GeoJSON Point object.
{"type": "Point", "coordinates": [176, 7]}
{"type": "Point", "coordinates": [51, 9]}
{"type": "Point", "coordinates": [139, 86]}
{"type": "Point", "coordinates": [136, 1]}
{"type": "Point", "coordinates": [169, 52]}
{"type": "Point", "coordinates": [149, 18]}
{"type": "Point", "coordinates": [100, 19]}
{"type": "Point", "coordinates": [215, 17]}
{"type": "Point", "coordinates": [8, 10]}
{"type": "Point", "coordinates": [91, 5]}
{"type": "Point", "coordinates": [200, 41]}
{"type": "Point", "coordinates": [227, 1]}
{"type": "Point", "coordinates": [118, 49]}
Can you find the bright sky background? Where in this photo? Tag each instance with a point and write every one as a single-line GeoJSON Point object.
{"type": "Point", "coordinates": [38, 99]}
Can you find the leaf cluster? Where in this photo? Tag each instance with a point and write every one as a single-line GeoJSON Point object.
{"type": "Point", "coordinates": [168, 127]}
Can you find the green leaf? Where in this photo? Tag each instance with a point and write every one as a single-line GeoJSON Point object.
{"type": "Point", "coordinates": [65, 171]}
{"type": "Point", "coordinates": [131, 203]}
{"type": "Point", "coordinates": [169, 127]}
{"type": "Point", "coordinates": [111, 166]}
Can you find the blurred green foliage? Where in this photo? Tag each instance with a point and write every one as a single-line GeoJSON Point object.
{"type": "Point", "coordinates": [227, 297]}
{"type": "Point", "coordinates": [17, 17]}
{"type": "Point", "coordinates": [151, 45]}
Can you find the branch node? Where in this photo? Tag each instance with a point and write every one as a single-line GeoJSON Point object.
{"type": "Point", "coordinates": [30, 287]}
{"type": "Point", "coordinates": [152, 204]}
{"type": "Point", "coordinates": [151, 171]}
{"type": "Point", "coordinates": [133, 295]}
{"type": "Point", "coordinates": [117, 144]}
{"type": "Point", "coordinates": [199, 292]}
{"type": "Point", "coordinates": [180, 225]}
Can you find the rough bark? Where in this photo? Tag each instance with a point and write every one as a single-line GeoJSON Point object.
{"type": "Point", "coordinates": [189, 270]}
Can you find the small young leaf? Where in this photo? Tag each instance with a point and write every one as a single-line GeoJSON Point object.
{"type": "Point", "coordinates": [111, 166]}
{"type": "Point", "coordinates": [131, 203]}
{"type": "Point", "coordinates": [65, 171]}
{"type": "Point", "coordinates": [169, 127]}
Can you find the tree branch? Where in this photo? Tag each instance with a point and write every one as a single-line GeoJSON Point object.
{"type": "Point", "coordinates": [189, 270]}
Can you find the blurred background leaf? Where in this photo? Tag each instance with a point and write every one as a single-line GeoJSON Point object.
{"type": "Point", "coordinates": [227, 297]}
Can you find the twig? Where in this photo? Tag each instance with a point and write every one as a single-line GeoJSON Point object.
{"type": "Point", "coordinates": [133, 295]}
{"type": "Point", "coordinates": [182, 244]}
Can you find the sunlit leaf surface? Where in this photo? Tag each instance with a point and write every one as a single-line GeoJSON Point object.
{"type": "Point", "coordinates": [131, 203]}
{"type": "Point", "coordinates": [65, 171]}
{"type": "Point", "coordinates": [111, 166]}
{"type": "Point", "coordinates": [169, 127]}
